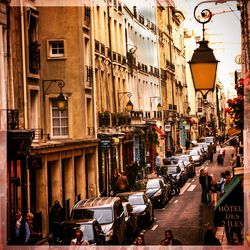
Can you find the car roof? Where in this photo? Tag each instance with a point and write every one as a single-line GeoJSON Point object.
{"type": "Point", "coordinates": [96, 202]}
{"type": "Point", "coordinates": [79, 221]}
{"type": "Point", "coordinates": [129, 193]}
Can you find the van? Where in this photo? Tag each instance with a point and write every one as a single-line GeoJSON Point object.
{"type": "Point", "coordinates": [108, 211]}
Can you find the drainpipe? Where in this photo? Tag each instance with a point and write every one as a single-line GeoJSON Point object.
{"type": "Point", "coordinates": [112, 71]}
{"type": "Point", "coordinates": [25, 94]}
{"type": "Point", "coordinates": [24, 67]}
{"type": "Point", "coordinates": [94, 89]}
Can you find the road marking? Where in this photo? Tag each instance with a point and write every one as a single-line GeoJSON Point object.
{"type": "Point", "coordinates": [186, 186]}
{"type": "Point", "coordinates": [154, 227]}
{"type": "Point", "coordinates": [176, 201]}
{"type": "Point", "coordinates": [191, 188]}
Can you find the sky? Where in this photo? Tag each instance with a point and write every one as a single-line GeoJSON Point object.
{"type": "Point", "coordinates": [223, 33]}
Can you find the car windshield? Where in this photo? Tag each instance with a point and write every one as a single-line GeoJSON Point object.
{"type": "Point", "coordinates": [103, 215]}
{"type": "Point", "coordinates": [82, 214]}
{"type": "Point", "coordinates": [172, 169]}
{"type": "Point", "coordinates": [184, 158]}
{"type": "Point", "coordinates": [153, 184]}
{"type": "Point", "coordinates": [194, 152]}
{"type": "Point", "coordinates": [136, 200]}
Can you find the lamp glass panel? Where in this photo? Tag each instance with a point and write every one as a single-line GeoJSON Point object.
{"type": "Point", "coordinates": [129, 106]}
{"type": "Point", "coordinates": [203, 75]}
{"type": "Point", "coordinates": [61, 104]}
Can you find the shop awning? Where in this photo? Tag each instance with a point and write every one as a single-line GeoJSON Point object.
{"type": "Point", "coordinates": [230, 206]}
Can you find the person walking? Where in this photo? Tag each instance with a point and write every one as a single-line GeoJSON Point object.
{"type": "Point", "coordinates": [169, 239]}
{"type": "Point", "coordinates": [21, 234]}
{"type": "Point", "coordinates": [211, 151]}
{"type": "Point", "coordinates": [56, 216]}
{"type": "Point", "coordinates": [206, 182]}
{"type": "Point", "coordinates": [221, 155]}
{"type": "Point", "coordinates": [122, 183]}
{"type": "Point", "coordinates": [221, 183]}
{"type": "Point", "coordinates": [157, 163]}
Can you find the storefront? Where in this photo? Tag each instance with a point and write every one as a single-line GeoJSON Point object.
{"type": "Point", "coordinates": [18, 148]}
{"type": "Point", "coordinates": [229, 211]}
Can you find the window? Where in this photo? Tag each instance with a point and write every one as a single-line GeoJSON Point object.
{"type": "Point", "coordinates": [56, 49]}
{"type": "Point", "coordinates": [60, 123]}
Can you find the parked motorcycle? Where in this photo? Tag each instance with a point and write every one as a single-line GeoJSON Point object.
{"type": "Point", "coordinates": [175, 189]}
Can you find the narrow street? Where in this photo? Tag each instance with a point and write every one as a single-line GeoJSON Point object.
{"type": "Point", "coordinates": [185, 215]}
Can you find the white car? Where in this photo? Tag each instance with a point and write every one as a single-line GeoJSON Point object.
{"type": "Point", "coordinates": [196, 156]}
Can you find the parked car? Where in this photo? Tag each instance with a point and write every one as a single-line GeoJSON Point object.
{"type": "Point", "coordinates": [204, 149]}
{"type": "Point", "coordinates": [131, 222]}
{"type": "Point", "coordinates": [142, 206]}
{"type": "Point", "coordinates": [197, 156]}
{"type": "Point", "coordinates": [189, 164]}
{"type": "Point", "coordinates": [157, 192]}
{"type": "Point", "coordinates": [108, 211]}
{"type": "Point", "coordinates": [92, 231]}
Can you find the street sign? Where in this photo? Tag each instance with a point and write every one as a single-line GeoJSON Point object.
{"type": "Point", "coordinates": [105, 143]}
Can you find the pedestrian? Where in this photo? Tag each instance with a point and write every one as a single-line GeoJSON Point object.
{"type": "Point", "coordinates": [210, 151]}
{"type": "Point", "coordinates": [221, 183]}
{"type": "Point", "coordinates": [178, 149]}
{"type": "Point", "coordinates": [140, 240]}
{"type": "Point", "coordinates": [228, 177]}
{"type": "Point", "coordinates": [21, 232]}
{"type": "Point", "coordinates": [122, 183]}
{"type": "Point", "coordinates": [114, 178]}
{"type": "Point", "coordinates": [132, 172]}
{"type": "Point", "coordinates": [35, 232]}
{"type": "Point", "coordinates": [56, 216]}
{"type": "Point", "coordinates": [221, 155]}
{"type": "Point", "coordinates": [210, 239]}
{"type": "Point", "coordinates": [169, 239]}
{"type": "Point", "coordinates": [157, 163]}
{"type": "Point", "coordinates": [214, 190]}
{"type": "Point", "coordinates": [206, 182]}
{"type": "Point", "coordinates": [78, 238]}
{"type": "Point", "coordinates": [187, 144]}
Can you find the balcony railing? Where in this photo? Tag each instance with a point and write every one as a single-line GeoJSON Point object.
{"type": "Point", "coordinates": [12, 119]}
{"type": "Point", "coordinates": [89, 76]}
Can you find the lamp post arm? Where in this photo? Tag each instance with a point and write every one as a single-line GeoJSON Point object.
{"type": "Point", "coordinates": [60, 82]}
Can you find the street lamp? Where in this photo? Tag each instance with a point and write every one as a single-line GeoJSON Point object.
{"type": "Point", "coordinates": [203, 64]}
{"type": "Point", "coordinates": [152, 99]}
{"type": "Point", "coordinates": [61, 100]}
{"type": "Point", "coordinates": [129, 105]}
